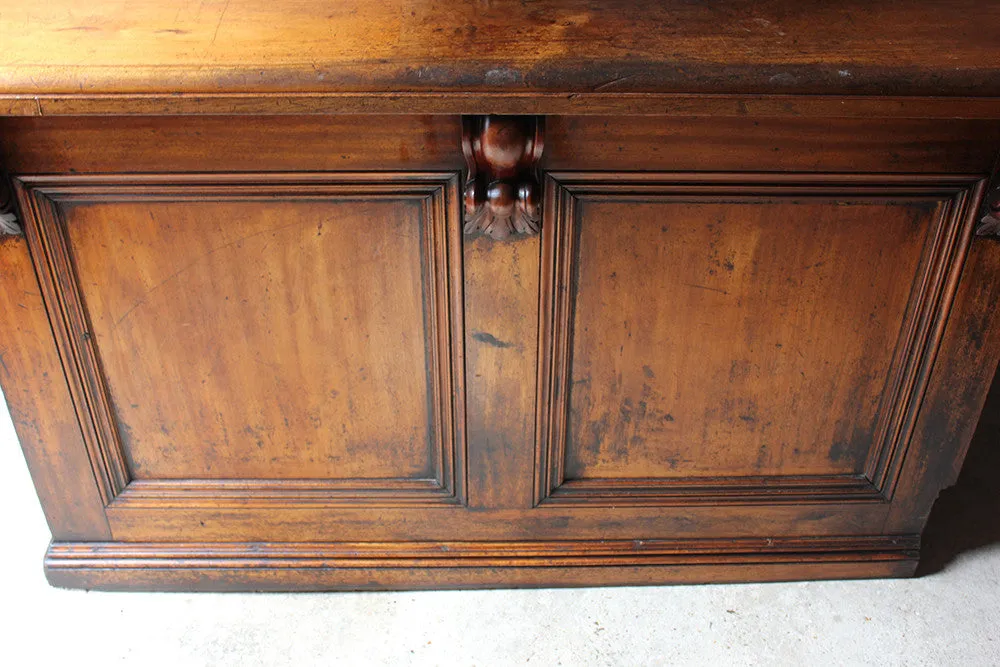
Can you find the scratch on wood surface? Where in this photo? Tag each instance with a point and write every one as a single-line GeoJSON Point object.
{"type": "Point", "coordinates": [710, 289]}
{"type": "Point", "coordinates": [219, 24]}
{"type": "Point", "coordinates": [612, 82]}
{"type": "Point", "coordinates": [196, 260]}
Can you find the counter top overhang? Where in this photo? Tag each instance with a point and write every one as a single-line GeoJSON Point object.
{"type": "Point", "coordinates": [920, 59]}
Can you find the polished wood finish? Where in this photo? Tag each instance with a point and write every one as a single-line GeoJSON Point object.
{"type": "Point", "coordinates": [502, 192]}
{"type": "Point", "coordinates": [422, 295]}
{"type": "Point", "coordinates": [577, 143]}
{"type": "Point", "coordinates": [41, 404]}
{"type": "Point", "coordinates": [260, 56]}
{"type": "Point", "coordinates": [678, 105]}
{"type": "Point", "coordinates": [700, 399]}
{"type": "Point", "coordinates": [374, 566]}
{"type": "Point", "coordinates": [308, 436]}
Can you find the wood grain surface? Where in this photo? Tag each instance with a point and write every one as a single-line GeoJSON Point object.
{"type": "Point", "coordinates": [247, 346]}
{"type": "Point", "coordinates": [260, 56]}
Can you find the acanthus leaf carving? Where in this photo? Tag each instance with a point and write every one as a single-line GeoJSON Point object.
{"type": "Point", "coordinates": [989, 224]}
{"type": "Point", "coordinates": [502, 188]}
{"type": "Point", "coordinates": [9, 225]}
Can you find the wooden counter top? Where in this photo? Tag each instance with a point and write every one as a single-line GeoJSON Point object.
{"type": "Point", "coordinates": [923, 58]}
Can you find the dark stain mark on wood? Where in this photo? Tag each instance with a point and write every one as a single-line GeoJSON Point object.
{"type": "Point", "coordinates": [490, 339]}
{"type": "Point", "coordinates": [839, 450]}
{"type": "Point", "coordinates": [739, 369]}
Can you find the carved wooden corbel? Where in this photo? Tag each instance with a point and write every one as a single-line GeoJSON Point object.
{"type": "Point", "coordinates": [989, 223]}
{"type": "Point", "coordinates": [8, 213]}
{"type": "Point", "coordinates": [502, 189]}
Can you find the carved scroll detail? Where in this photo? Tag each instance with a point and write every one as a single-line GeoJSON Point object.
{"type": "Point", "coordinates": [502, 189]}
{"type": "Point", "coordinates": [989, 224]}
{"type": "Point", "coordinates": [8, 216]}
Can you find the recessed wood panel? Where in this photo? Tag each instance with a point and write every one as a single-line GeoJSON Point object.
{"type": "Point", "coordinates": [263, 336]}
{"type": "Point", "coordinates": [717, 339]}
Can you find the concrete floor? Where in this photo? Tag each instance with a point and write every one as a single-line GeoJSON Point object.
{"type": "Point", "coordinates": [949, 616]}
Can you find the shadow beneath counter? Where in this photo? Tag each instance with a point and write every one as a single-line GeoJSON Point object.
{"type": "Point", "coordinates": [966, 517]}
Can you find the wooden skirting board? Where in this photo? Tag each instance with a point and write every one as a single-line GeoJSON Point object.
{"type": "Point", "coordinates": [387, 566]}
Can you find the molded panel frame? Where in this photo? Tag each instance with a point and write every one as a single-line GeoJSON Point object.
{"type": "Point", "coordinates": [926, 315]}
{"type": "Point", "coordinates": [41, 198]}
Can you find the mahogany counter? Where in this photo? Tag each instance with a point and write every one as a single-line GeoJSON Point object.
{"type": "Point", "coordinates": [419, 294]}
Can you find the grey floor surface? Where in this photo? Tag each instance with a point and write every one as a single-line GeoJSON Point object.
{"type": "Point", "coordinates": [948, 616]}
